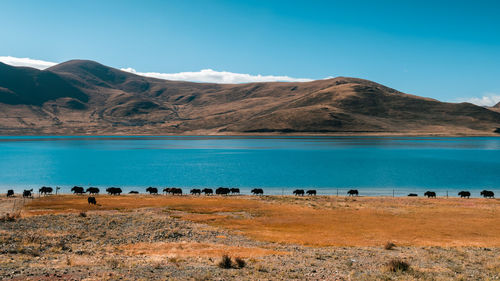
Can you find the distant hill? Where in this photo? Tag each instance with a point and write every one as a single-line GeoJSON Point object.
{"type": "Point", "coordinates": [496, 107]}
{"type": "Point", "coordinates": [24, 85]}
{"type": "Point", "coordinates": [85, 97]}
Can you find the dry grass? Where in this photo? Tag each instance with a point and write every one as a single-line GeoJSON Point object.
{"type": "Point", "coordinates": [389, 245]}
{"type": "Point", "coordinates": [10, 217]}
{"type": "Point", "coordinates": [194, 249]}
{"type": "Point", "coordinates": [398, 265]}
{"type": "Point", "coordinates": [240, 263]}
{"type": "Point", "coordinates": [319, 221]}
{"type": "Point", "coordinates": [225, 262]}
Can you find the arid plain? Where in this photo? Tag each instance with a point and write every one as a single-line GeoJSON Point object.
{"type": "Point", "coordinates": [274, 238]}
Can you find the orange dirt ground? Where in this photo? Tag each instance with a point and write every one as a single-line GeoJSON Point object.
{"type": "Point", "coordinates": [318, 221]}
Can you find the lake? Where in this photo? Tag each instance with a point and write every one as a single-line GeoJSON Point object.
{"type": "Point", "coordinates": [373, 165]}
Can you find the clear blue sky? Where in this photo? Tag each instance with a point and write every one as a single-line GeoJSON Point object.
{"type": "Point", "coordinates": [440, 49]}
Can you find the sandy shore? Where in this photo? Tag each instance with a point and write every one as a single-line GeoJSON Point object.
{"type": "Point", "coordinates": [278, 237]}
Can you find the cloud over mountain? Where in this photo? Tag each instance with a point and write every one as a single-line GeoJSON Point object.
{"type": "Point", "coordinates": [38, 64]}
{"type": "Point", "coordinates": [489, 99]}
{"type": "Point", "coordinates": [213, 76]}
{"type": "Point", "coordinates": [204, 75]}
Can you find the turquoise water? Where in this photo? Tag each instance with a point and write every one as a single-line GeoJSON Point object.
{"type": "Point", "coordinates": [374, 165]}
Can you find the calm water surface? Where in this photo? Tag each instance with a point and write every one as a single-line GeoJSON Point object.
{"type": "Point", "coordinates": [374, 165]}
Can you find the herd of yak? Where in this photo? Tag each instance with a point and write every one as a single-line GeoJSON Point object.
{"type": "Point", "coordinates": [44, 190]}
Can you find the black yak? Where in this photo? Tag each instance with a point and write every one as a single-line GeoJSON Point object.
{"type": "Point", "coordinates": [91, 200]}
{"type": "Point", "coordinates": [464, 194]}
{"type": "Point", "coordinates": [77, 190]}
{"type": "Point", "coordinates": [298, 192]}
{"type": "Point", "coordinates": [353, 192]}
{"type": "Point", "coordinates": [195, 191]}
{"type": "Point", "coordinates": [27, 193]}
{"type": "Point", "coordinates": [114, 190]}
{"type": "Point", "coordinates": [311, 192]}
{"type": "Point", "coordinates": [133, 192]}
{"type": "Point", "coordinates": [92, 190]}
{"type": "Point", "coordinates": [175, 191]}
{"type": "Point", "coordinates": [152, 190]}
{"type": "Point", "coordinates": [166, 190]}
{"type": "Point", "coordinates": [487, 194]}
{"type": "Point", "coordinates": [258, 191]}
{"type": "Point", "coordinates": [235, 190]}
{"type": "Point", "coordinates": [45, 190]}
{"type": "Point", "coordinates": [430, 194]}
{"type": "Point", "coordinates": [208, 191]}
{"type": "Point", "coordinates": [10, 193]}
{"type": "Point", "coordinates": [413, 195]}
{"type": "Point", "coordinates": [222, 191]}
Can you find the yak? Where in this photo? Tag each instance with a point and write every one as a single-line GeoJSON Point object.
{"type": "Point", "coordinates": [152, 190]}
{"type": "Point", "coordinates": [464, 194]}
{"type": "Point", "coordinates": [311, 192]}
{"type": "Point", "coordinates": [413, 195]}
{"type": "Point", "coordinates": [92, 190]}
{"type": "Point", "coordinates": [114, 190]}
{"type": "Point", "coordinates": [10, 193]}
{"type": "Point", "coordinates": [487, 194]}
{"type": "Point", "coordinates": [166, 190]}
{"type": "Point", "coordinates": [27, 193]}
{"type": "Point", "coordinates": [353, 192]}
{"type": "Point", "coordinates": [430, 194]}
{"type": "Point", "coordinates": [175, 191]}
{"type": "Point", "coordinates": [258, 191]}
{"type": "Point", "coordinates": [45, 190]}
{"type": "Point", "coordinates": [77, 190]}
{"type": "Point", "coordinates": [195, 191]}
{"type": "Point", "coordinates": [208, 191]}
{"type": "Point", "coordinates": [91, 200]}
{"type": "Point", "coordinates": [298, 192]}
{"type": "Point", "coordinates": [222, 191]}
{"type": "Point", "coordinates": [235, 190]}
{"type": "Point", "coordinates": [133, 192]}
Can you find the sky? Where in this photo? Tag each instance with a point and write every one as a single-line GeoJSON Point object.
{"type": "Point", "coordinates": [447, 50]}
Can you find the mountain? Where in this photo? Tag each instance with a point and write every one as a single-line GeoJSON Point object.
{"type": "Point", "coordinates": [496, 107]}
{"type": "Point", "coordinates": [23, 85]}
{"type": "Point", "coordinates": [85, 97]}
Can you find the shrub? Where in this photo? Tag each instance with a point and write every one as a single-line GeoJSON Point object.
{"type": "Point", "coordinates": [113, 263]}
{"type": "Point", "coordinates": [225, 262]}
{"type": "Point", "coordinates": [398, 265]}
{"type": "Point", "coordinates": [389, 245]}
{"type": "Point", "coordinates": [240, 262]}
{"type": "Point", "coordinates": [10, 217]}
{"type": "Point", "coordinates": [176, 261]}
{"type": "Point", "coordinates": [83, 214]}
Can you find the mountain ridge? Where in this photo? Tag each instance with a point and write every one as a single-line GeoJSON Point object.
{"type": "Point", "coordinates": [97, 99]}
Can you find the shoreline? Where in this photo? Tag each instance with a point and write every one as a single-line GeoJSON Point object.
{"type": "Point", "coordinates": [278, 192]}
{"type": "Point", "coordinates": [475, 194]}
{"type": "Point", "coordinates": [318, 134]}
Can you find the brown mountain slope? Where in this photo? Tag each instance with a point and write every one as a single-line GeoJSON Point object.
{"type": "Point", "coordinates": [496, 107]}
{"type": "Point", "coordinates": [24, 85]}
{"type": "Point", "coordinates": [124, 103]}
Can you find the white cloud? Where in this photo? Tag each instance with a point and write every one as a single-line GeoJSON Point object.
{"type": "Point", "coordinates": [489, 99]}
{"type": "Point", "coordinates": [213, 76]}
{"type": "Point", "coordinates": [204, 75]}
{"type": "Point", "coordinates": [39, 64]}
